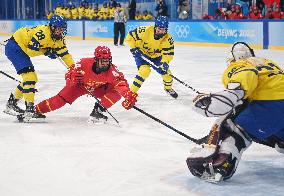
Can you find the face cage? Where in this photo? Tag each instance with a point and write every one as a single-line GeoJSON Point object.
{"type": "Point", "coordinates": [105, 68]}
{"type": "Point", "coordinates": [159, 36]}
{"type": "Point", "coordinates": [56, 36]}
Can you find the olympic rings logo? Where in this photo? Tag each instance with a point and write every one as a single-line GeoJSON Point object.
{"type": "Point", "coordinates": [131, 27]}
{"type": "Point", "coordinates": [182, 31]}
{"type": "Point", "coordinates": [3, 25]}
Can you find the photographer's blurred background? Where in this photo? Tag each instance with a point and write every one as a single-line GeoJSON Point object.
{"type": "Point", "coordinates": [143, 9]}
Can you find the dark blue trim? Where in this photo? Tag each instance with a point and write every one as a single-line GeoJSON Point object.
{"type": "Point", "coordinates": [170, 53]}
{"type": "Point", "coordinates": [167, 49]}
{"type": "Point", "coordinates": [20, 88]}
{"type": "Point", "coordinates": [63, 54]}
{"type": "Point", "coordinates": [136, 84]}
{"type": "Point", "coordinates": [29, 83]}
{"type": "Point", "coordinates": [265, 35]}
{"type": "Point", "coordinates": [33, 48]}
{"type": "Point", "coordinates": [84, 31]}
{"type": "Point", "coordinates": [30, 90]}
{"type": "Point", "coordinates": [57, 49]}
{"type": "Point", "coordinates": [139, 78]}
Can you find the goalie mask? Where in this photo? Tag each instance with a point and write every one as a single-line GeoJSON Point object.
{"type": "Point", "coordinates": [241, 50]}
{"type": "Point", "coordinates": [103, 59]}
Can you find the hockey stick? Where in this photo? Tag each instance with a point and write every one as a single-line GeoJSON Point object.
{"type": "Point", "coordinates": [165, 124]}
{"type": "Point", "coordinates": [3, 43]}
{"type": "Point", "coordinates": [63, 63]}
{"type": "Point", "coordinates": [180, 81]}
{"type": "Point", "coordinates": [11, 77]}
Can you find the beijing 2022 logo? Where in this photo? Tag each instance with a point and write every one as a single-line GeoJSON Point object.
{"type": "Point", "coordinates": [182, 31]}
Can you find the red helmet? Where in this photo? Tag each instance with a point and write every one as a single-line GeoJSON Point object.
{"type": "Point", "coordinates": [102, 52]}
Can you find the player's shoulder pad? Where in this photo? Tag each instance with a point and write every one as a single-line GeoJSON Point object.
{"type": "Point", "coordinates": [114, 68]}
{"type": "Point", "coordinates": [169, 39]}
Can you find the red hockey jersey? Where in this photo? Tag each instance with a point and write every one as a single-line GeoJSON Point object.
{"type": "Point", "coordinates": [92, 81]}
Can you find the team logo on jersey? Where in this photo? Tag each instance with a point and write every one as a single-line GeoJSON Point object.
{"type": "Point", "coordinates": [114, 73]}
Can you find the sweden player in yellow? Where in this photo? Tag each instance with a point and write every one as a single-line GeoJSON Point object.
{"type": "Point", "coordinates": [28, 42]}
{"type": "Point", "coordinates": [251, 108]}
{"type": "Point", "coordinates": [155, 44]}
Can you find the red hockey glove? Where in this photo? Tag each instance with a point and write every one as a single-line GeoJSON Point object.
{"type": "Point", "coordinates": [130, 99]}
{"type": "Point", "coordinates": [74, 76]}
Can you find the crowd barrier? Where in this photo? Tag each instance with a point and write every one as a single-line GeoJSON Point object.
{"type": "Point", "coordinates": [266, 34]}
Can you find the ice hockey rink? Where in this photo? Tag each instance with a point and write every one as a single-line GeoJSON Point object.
{"type": "Point", "coordinates": [66, 155]}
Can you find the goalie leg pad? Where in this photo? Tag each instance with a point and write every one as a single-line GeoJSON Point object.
{"type": "Point", "coordinates": [222, 163]}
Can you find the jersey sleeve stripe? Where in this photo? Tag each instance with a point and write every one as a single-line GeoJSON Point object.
{"type": "Point", "coordinates": [167, 49]}
{"type": "Point", "coordinates": [253, 70]}
{"type": "Point", "coordinates": [169, 53]}
{"type": "Point", "coordinates": [131, 33]}
{"type": "Point", "coordinates": [63, 54]}
{"type": "Point", "coordinates": [137, 37]}
{"type": "Point", "coordinates": [57, 49]}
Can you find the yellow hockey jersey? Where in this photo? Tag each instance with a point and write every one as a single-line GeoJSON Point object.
{"type": "Point", "coordinates": [260, 78]}
{"type": "Point", "coordinates": [35, 41]}
{"type": "Point", "coordinates": [143, 38]}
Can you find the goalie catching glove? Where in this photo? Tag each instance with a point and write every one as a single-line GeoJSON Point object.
{"type": "Point", "coordinates": [130, 100]}
{"type": "Point", "coordinates": [220, 103]}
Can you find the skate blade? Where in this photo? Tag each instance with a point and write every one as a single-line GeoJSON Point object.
{"type": "Point", "coordinates": [96, 121]}
{"type": "Point", "coordinates": [215, 179]}
{"type": "Point", "coordinates": [22, 119]}
{"type": "Point", "coordinates": [11, 113]}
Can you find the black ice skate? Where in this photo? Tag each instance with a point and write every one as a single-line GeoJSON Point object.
{"type": "Point", "coordinates": [30, 114]}
{"type": "Point", "coordinates": [172, 93]}
{"type": "Point", "coordinates": [97, 114]}
{"type": "Point", "coordinates": [12, 108]}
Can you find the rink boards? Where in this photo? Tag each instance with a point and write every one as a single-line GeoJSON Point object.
{"type": "Point", "coordinates": [260, 34]}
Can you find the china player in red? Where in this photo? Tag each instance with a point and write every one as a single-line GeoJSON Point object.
{"type": "Point", "coordinates": [96, 76]}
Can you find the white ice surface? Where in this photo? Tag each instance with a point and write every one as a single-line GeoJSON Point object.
{"type": "Point", "coordinates": [140, 157]}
